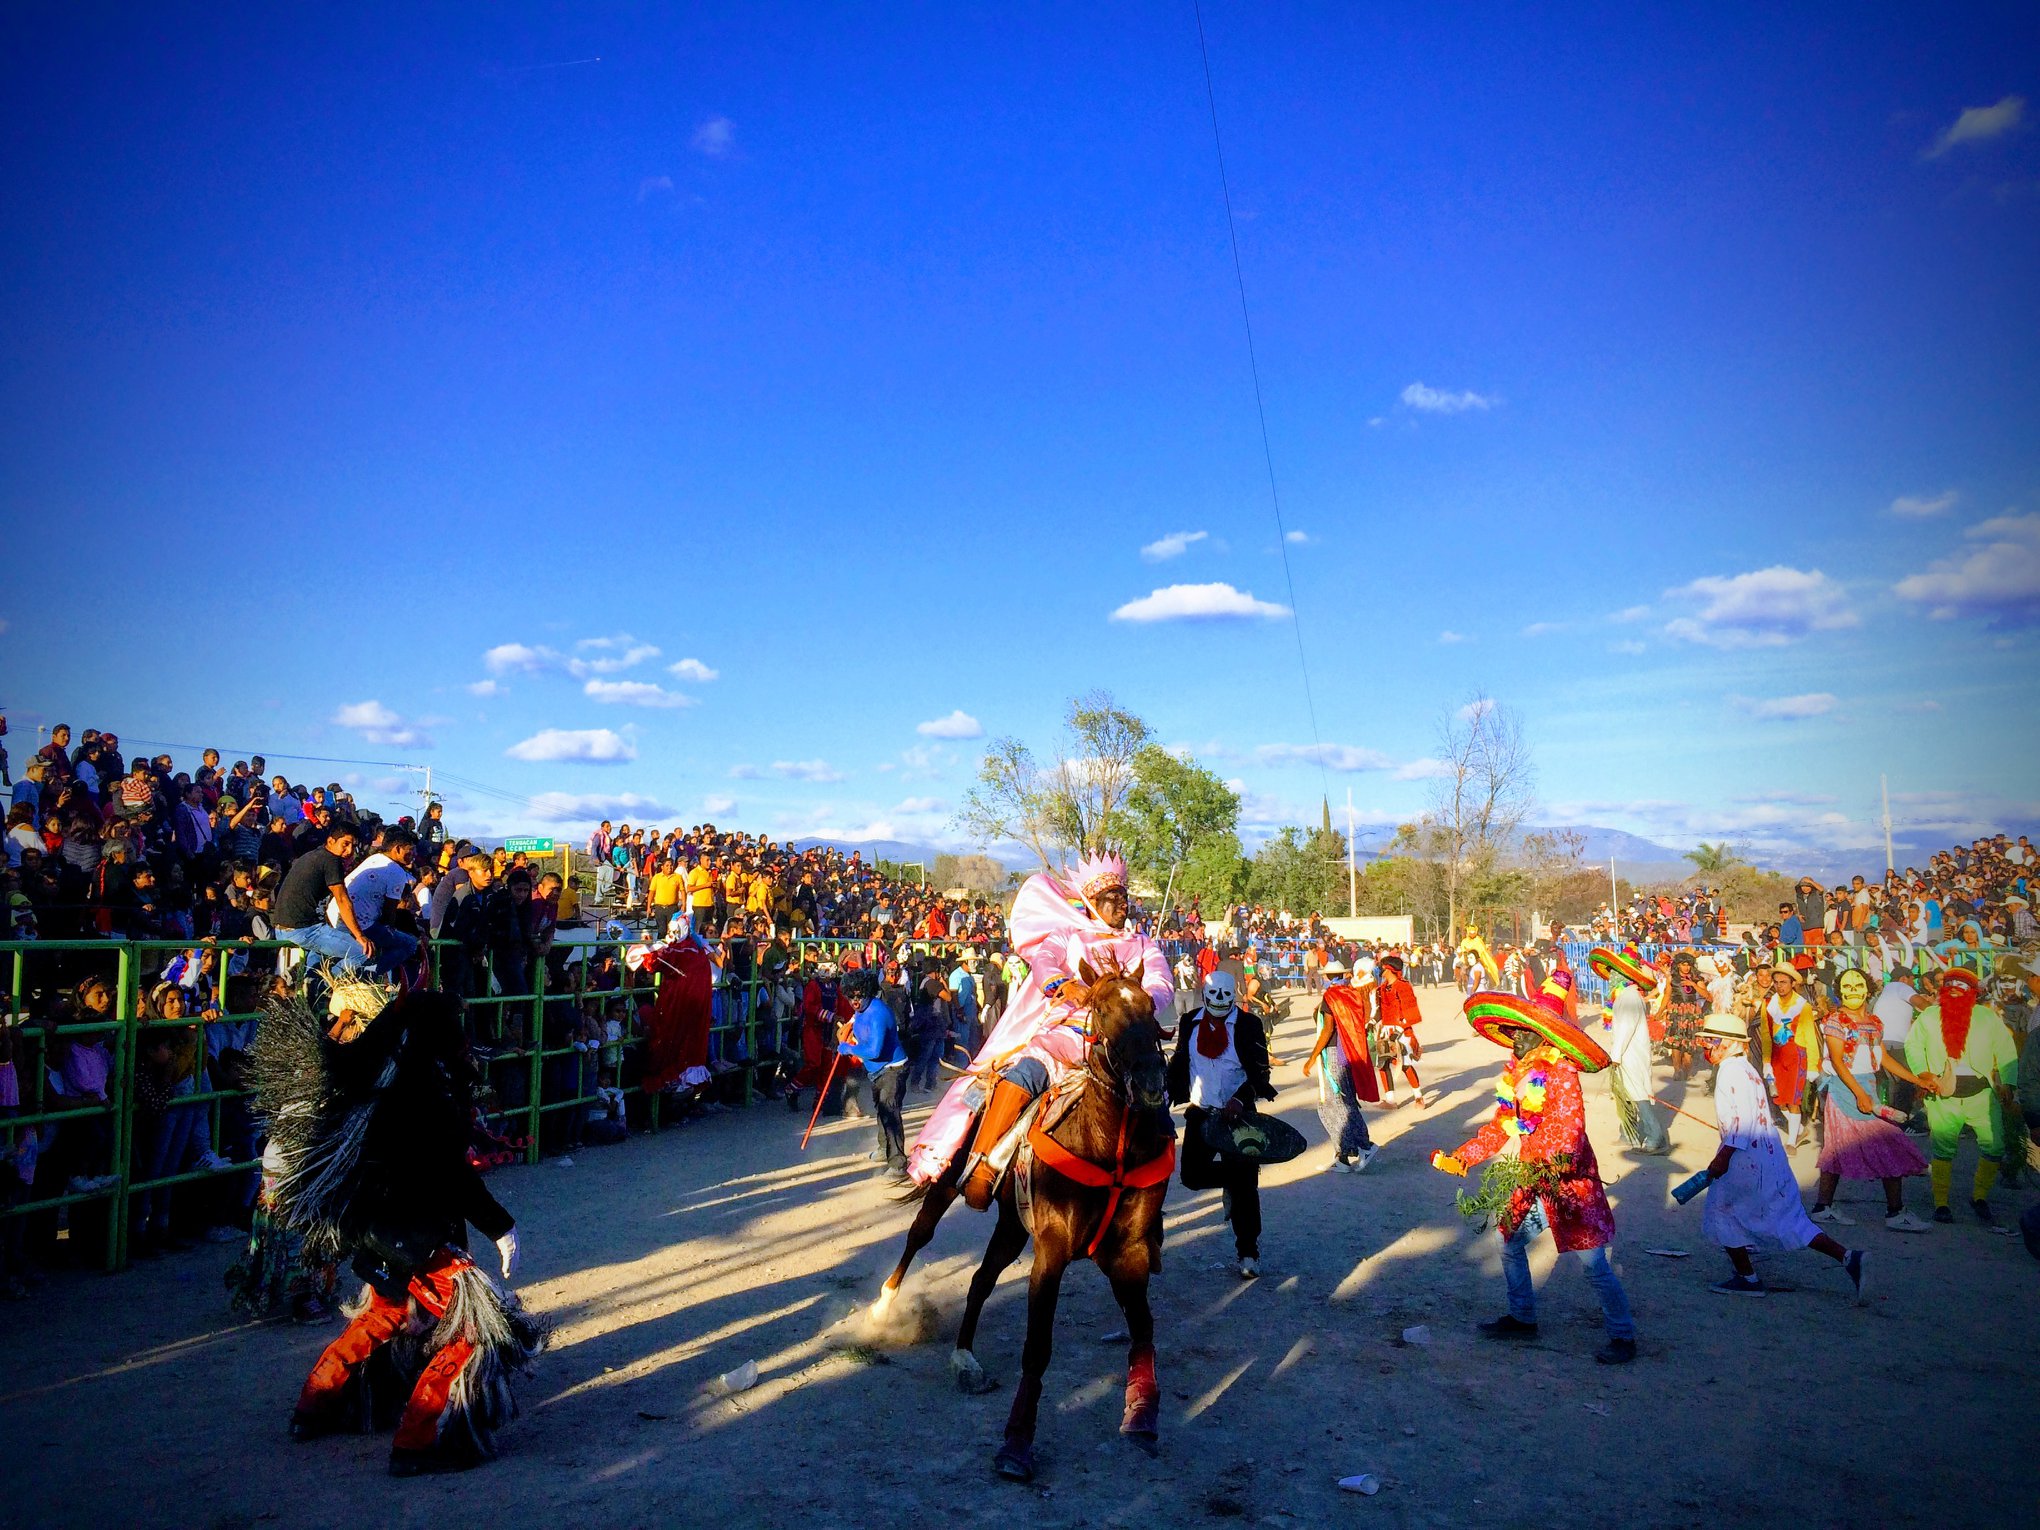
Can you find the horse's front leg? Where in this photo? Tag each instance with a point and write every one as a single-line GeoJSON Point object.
{"type": "Point", "coordinates": [1015, 1459]}
{"type": "Point", "coordinates": [1141, 1422]}
{"type": "Point", "coordinates": [1008, 1238]}
{"type": "Point", "coordinates": [941, 1195]}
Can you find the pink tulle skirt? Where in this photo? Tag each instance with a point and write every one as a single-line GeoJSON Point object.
{"type": "Point", "coordinates": [1865, 1147]}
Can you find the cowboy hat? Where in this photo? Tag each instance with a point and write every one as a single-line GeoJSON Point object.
{"type": "Point", "coordinates": [1610, 963]}
{"type": "Point", "coordinates": [1496, 1015]}
{"type": "Point", "coordinates": [1335, 969]}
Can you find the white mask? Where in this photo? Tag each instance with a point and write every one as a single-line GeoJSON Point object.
{"type": "Point", "coordinates": [1218, 991]}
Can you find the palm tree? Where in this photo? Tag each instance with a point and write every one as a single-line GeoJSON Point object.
{"type": "Point", "coordinates": [1712, 860]}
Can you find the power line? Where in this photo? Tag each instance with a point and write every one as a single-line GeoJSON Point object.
{"type": "Point", "coordinates": [272, 754]}
{"type": "Point", "coordinates": [1260, 407]}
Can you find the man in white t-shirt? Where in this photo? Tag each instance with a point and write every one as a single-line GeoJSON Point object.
{"type": "Point", "coordinates": [1896, 1004]}
{"type": "Point", "coordinates": [376, 886]}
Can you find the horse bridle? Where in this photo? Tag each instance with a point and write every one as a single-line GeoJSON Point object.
{"type": "Point", "coordinates": [1107, 1071]}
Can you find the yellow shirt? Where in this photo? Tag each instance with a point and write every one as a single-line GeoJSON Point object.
{"type": "Point", "coordinates": [760, 899]}
{"type": "Point", "coordinates": [701, 887]}
{"type": "Point", "coordinates": [667, 887]}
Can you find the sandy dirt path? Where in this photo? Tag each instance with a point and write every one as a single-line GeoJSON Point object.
{"type": "Point", "coordinates": [670, 1259]}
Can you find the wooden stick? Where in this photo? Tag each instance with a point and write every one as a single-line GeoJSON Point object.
{"type": "Point", "coordinates": [822, 1095]}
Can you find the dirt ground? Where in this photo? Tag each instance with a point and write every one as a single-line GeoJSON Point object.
{"type": "Point", "coordinates": [668, 1260]}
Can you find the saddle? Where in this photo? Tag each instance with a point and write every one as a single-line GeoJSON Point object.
{"type": "Point", "coordinates": [1038, 1146]}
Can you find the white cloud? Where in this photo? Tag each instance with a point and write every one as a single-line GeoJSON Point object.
{"type": "Point", "coordinates": [379, 725]}
{"type": "Point", "coordinates": [1786, 708]}
{"type": "Point", "coordinates": [922, 805]}
{"type": "Point", "coordinates": [617, 654]}
{"type": "Point", "coordinates": [1474, 709]}
{"type": "Point", "coordinates": [651, 185]}
{"type": "Point", "coordinates": [634, 693]}
{"type": "Point", "coordinates": [715, 137]}
{"type": "Point", "coordinates": [716, 805]}
{"type": "Point", "coordinates": [1444, 401]}
{"type": "Point", "coordinates": [513, 658]}
{"type": "Point", "coordinates": [488, 688]}
{"type": "Point", "coordinates": [1197, 602]}
{"type": "Point", "coordinates": [585, 746]}
{"type": "Point", "coordinates": [1979, 124]}
{"type": "Point", "coordinates": [593, 807]}
{"type": "Point", "coordinates": [1422, 770]}
{"type": "Point", "coordinates": [958, 724]}
{"type": "Point", "coordinates": [1340, 757]}
{"type": "Point", "coordinates": [1174, 545]}
{"type": "Point", "coordinates": [1766, 608]}
{"type": "Point", "coordinates": [1626, 645]}
{"type": "Point", "coordinates": [1998, 580]}
{"type": "Point", "coordinates": [745, 773]}
{"type": "Point", "coordinates": [1541, 629]}
{"type": "Point", "coordinates": [806, 770]}
{"type": "Point", "coordinates": [1924, 504]}
{"type": "Point", "coordinates": [692, 669]}
{"type": "Point", "coordinates": [1448, 636]}
{"type": "Point", "coordinates": [1298, 538]}
{"type": "Point", "coordinates": [1630, 614]}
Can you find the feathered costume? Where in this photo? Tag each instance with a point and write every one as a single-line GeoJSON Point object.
{"type": "Point", "coordinates": [370, 1136]}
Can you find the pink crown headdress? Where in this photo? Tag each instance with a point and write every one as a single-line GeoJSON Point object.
{"type": "Point", "coordinates": [1098, 871]}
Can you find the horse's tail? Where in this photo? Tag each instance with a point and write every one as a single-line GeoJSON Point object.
{"type": "Point", "coordinates": [915, 1193]}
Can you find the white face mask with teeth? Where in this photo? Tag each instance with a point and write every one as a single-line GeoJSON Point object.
{"type": "Point", "coordinates": [1218, 991]}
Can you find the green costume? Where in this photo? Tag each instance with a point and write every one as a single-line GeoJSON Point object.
{"type": "Point", "coordinates": [1988, 1058]}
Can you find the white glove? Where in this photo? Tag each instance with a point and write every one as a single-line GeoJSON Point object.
{"type": "Point", "coordinates": [507, 1247]}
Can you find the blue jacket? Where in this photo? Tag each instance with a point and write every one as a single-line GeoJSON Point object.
{"type": "Point", "coordinates": [874, 1038]}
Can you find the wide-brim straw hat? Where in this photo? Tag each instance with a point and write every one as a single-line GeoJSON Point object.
{"type": "Point", "coordinates": [1497, 1015]}
{"type": "Point", "coordinates": [1724, 1027]}
{"type": "Point", "coordinates": [1610, 963]}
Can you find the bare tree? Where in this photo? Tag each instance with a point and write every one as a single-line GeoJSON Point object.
{"type": "Point", "coordinates": [1071, 804]}
{"type": "Point", "coordinates": [1478, 800]}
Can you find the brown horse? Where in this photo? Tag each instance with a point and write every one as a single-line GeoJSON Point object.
{"type": "Point", "coordinates": [1118, 1130]}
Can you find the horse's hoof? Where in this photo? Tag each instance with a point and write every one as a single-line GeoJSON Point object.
{"type": "Point", "coordinates": [1143, 1440]}
{"type": "Point", "coordinates": [1015, 1461]}
{"type": "Point", "coordinates": [971, 1377]}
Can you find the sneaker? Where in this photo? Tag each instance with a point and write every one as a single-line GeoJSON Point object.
{"type": "Point", "coordinates": [1853, 1266]}
{"type": "Point", "coordinates": [1616, 1352]}
{"type": "Point", "coordinates": [1943, 1214]}
{"type": "Point", "coordinates": [1366, 1157]}
{"type": "Point", "coordinates": [1833, 1216]}
{"type": "Point", "coordinates": [1739, 1285]}
{"type": "Point", "coordinates": [1982, 1210]}
{"type": "Point", "coordinates": [1339, 1166]}
{"type": "Point", "coordinates": [1250, 1268]}
{"type": "Point", "coordinates": [1906, 1222]}
{"type": "Point", "coordinates": [1508, 1326]}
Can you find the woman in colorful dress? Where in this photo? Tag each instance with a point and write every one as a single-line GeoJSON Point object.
{"type": "Point", "coordinates": [1861, 1139]}
{"type": "Point", "coordinates": [1685, 1004]}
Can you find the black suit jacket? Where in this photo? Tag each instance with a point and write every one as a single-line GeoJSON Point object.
{"type": "Point", "coordinates": [1250, 1040]}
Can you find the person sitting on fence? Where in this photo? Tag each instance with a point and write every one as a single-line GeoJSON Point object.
{"type": "Point", "coordinates": [315, 880]}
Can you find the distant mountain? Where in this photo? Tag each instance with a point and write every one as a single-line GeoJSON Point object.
{"type": "Point", "coordinates": [902, 850]}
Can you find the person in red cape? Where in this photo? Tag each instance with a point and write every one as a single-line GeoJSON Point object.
{"type": "Point", "coordinates": [1538, 1107]}
{"type": "Point", "coordinates": [1345, 1074]}
{"type": "Point", "coordinates": [1395, 1035]}
{"type": "Point", "coordinates": [824, 1007]}
{"type": "Point", "coordinates": [676, 1034]}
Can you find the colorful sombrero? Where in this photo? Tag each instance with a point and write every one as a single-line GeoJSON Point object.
{"type": "Point", "coordinates": [1495, 1014]}
{"type": "Point", "coordinates": [1610, 963]}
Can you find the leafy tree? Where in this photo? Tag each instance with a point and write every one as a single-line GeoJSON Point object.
{"type": "Point", "coordinates": [1214, 873]}
{"type": "Point", "coordinates": [1712, 860]}
{"type": "Point", "coordinates": [1174, 806]}
{"type": "Point", "coordinates": [1068, 805]}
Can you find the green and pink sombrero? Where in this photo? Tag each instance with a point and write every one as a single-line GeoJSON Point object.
{"type": "Point", "coordinates": [1608, 962]}
{"type": "Point", "coordinates": [1497, 1015]}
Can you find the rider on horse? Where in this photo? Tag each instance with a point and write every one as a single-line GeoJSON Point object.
{"type": "Point", "coordinates": [1056, 925]}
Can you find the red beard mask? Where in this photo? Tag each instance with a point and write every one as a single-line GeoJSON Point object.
{"type": "Point", "coordinates": [1957, 1006]}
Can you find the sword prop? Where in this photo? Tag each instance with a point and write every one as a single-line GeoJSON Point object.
{"type": "Point", "coordinates": [834, 1063]}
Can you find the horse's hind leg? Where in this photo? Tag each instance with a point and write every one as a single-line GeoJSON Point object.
{"type": "Point", "coordinates": [1141, 1422]}
{"type": "Point", "coordinates": [1008, 1238]}
{"type": "Point", "coordinates": [941, 1195]}
{"type": "Point", "coordinates": [1015, 1459]}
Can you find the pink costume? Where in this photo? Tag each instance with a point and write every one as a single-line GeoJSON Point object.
{"type": "Point", "coordinates": [1053, 932]}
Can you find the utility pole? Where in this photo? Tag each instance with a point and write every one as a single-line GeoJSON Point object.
{"type": "Point", "coordinates": [1884, 788]}
{"type": "Point", "coordinates": [1614, 897]}
{"type": "Point", "coordinates": [1352, 878]}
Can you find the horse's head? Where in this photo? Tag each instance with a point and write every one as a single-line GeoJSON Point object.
{"type": "Point", "coordinates": [1126, 1040]}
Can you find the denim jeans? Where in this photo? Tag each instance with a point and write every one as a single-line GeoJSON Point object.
{"type": "Point", "coordinates": [168, 1144]}
{"type": "Point", "coordinates": [887, 1088]}
{"type": "Point", "coordinates": [1600, 1275]}
{"type": "Point", "coordinates": [341, 949]}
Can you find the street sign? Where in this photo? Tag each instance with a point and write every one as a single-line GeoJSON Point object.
{"type": "Point", "coordinates": [530, 846]}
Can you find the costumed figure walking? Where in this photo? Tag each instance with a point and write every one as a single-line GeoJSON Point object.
{"type": "Point", "coordinates": [1861, 1138]}
{"type": "Point", "coordinates": [1967, 1065]}
{"type": "Point", "coordinates": [824, 1008]}
{"type": "Point", "coordinates": [683, 1010]}
{"type": "Point", "coordinates": [1056, 926]}
{"type": "Point", "coordinates": [1553, 1182]}
{"type": "Point", "coordinates": [1396, 1047]}
{"type": "Point", "coordinates": [1789, 1033]}
{"type": "Point", "coordinates": [1343, 1071]}
{"type": "Point", "coordinates": [1632, 983]}
{"type": "Point", "coordinates": [369, 1116]}
{"type": "Point", "coordinates": [1218, 1070]}
{"type": "Point", "coordinates": [1684, 1006]}
{"type": "Point", "coordinates": [1752, 1196]}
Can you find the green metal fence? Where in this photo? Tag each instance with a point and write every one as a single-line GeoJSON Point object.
{"type": "Point", "coordinates": [516, 1037]}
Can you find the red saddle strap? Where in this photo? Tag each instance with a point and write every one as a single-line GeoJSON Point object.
{"type": "Point", "coordinates": [1118, 1179]}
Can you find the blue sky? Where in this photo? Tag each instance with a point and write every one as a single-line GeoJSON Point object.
{"type": "Point", "coordinates": [394, 386]}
